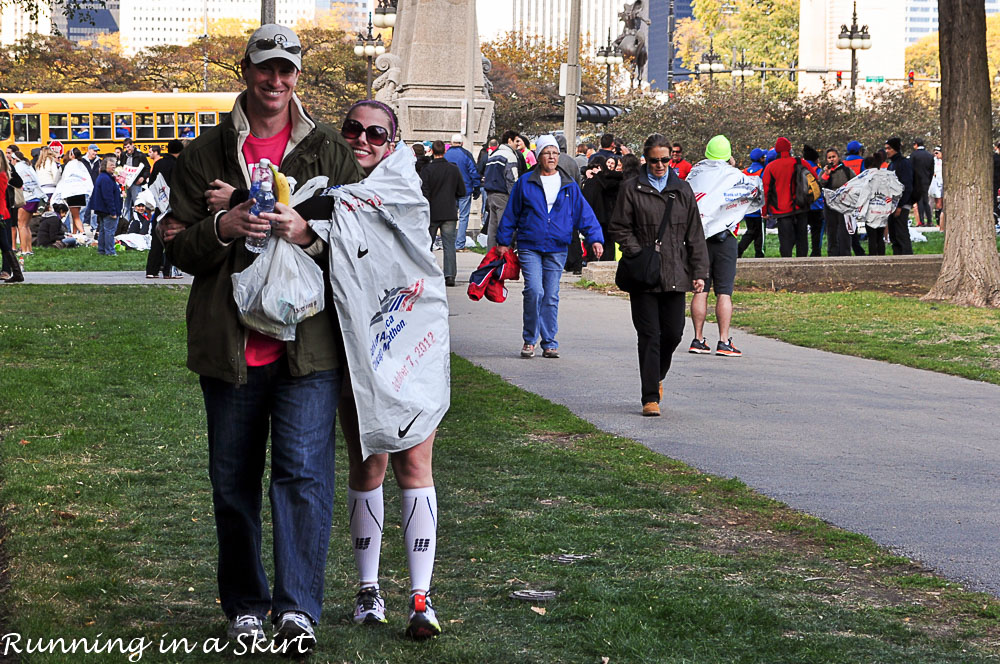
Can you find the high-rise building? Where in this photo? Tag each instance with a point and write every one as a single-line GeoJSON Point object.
{"type": "Point", "coordinates": [353, 12]}
{"type": "Point", "coordinates": [90, 20]}
{"type": "Point", "coordinates": [820, 22]}
{"type": "Point", "coordinates": [15, 22]}
{"type": "Point", "coordinates": [146, 23]}
{"type": "Point", "coordinates": [549, 19]}
{"type": "Point", "coordinates": [658, 65]}
{"type": "Point", "coordinates": [921, 18]}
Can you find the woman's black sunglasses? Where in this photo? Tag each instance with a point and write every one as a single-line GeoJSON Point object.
{"type": "Point", "coordinates": [657, 160]}
{"type": "Point", "coordinates": [376, 135]}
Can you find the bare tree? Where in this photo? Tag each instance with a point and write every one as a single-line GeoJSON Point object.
{"type": "Point", "coordinates": [970, 272]}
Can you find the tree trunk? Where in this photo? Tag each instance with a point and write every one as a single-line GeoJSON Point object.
{"type": "Point", "coordinates": [970, 271]}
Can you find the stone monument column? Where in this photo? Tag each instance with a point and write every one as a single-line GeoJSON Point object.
{"type": "Point", "coordinates": [440, 72]}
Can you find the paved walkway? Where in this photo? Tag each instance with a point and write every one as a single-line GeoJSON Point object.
{"type": "Point", "coordinates": [909, 457]}
{"type": "Point", "coordinates": [848, 440]}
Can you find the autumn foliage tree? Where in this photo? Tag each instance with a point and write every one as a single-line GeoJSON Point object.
{"type": "Point", "coordinates": [525, 78]}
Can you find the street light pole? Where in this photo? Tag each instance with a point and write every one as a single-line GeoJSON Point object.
{"type": "Point", "coordinates": [609, 55]}
{"type": "Point", "coordinates": [711, 62]}
{"type": "Point", "coordinates": [369, 46]}
{"type": "Point", "coordinates": [856, 39]}
{"type": "Point", "coordinates": [573, 75]}
{"type": "Point", "coordinates": [670, 47]}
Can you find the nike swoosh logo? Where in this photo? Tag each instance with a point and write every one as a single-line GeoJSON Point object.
{"type": "Point", "coordinates": [362, 254]}
{"type": "Point", "coordinates": [406, 430]}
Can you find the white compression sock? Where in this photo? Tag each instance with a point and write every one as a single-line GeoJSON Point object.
{"type": "Point", "coordinates": [419, 507]}
{"type": "Point", "coordinates": [367, 514]}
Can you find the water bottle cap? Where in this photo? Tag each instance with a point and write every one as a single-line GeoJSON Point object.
{"type": "Point", "coordinates": [265, 185]}
{"type": "Point", "coordinates": [265, 162]}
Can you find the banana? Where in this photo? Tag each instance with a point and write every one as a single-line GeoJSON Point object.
{"type": "Point", "coordinates": [282, 191]}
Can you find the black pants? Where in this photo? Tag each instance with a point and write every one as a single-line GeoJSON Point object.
{"type": "Point", "coordinates": [659, 323]}
{"type": "Point", "coordinates": [924, 208]}
{"type": "Point", "coordinates": [574, 255]}
{"type": "Point", "coordinates": [876, 241]}
{"type": "Point", "coordinates": [815, 221]}
{"type": "Point", "coordinates": [792, 231]}
{"type": "Point", "coordinates": [6, 247]}
{"type": "Point", "coordinates": [899, 234]}
{"type": "Point", "coordinates": [856, 245]}
{"type": "Point", "coordinates": [838, 239]}
{"type": "Point", "coordinates": [157, 260]}
{"type": "Point", "coordinates": [754, 234]}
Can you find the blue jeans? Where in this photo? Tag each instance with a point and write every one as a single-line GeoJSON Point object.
{"type": "Point", "coordinates": [88, 217]}
{"type": "Point", "coordinates": [300, 413]}
{"type": "Point", "coordinates": [464, 206]}
{"type": "Point", "coordinates": [107, 225]}
{"type": "Point", "coordinates": [541, 271]}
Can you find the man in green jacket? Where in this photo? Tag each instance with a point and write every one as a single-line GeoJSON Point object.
{"type": "Point", "coordinates": [254, 384]}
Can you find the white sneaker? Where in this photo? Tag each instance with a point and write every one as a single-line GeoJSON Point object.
{"type": "Point", "coordinates": [295, 636]}
{"type": "Point", "coordinates": [369, 607]}
{"type": "Point", "coordinates": [240, 626]}
{"type": "Point", "coordinates": [423, 623]}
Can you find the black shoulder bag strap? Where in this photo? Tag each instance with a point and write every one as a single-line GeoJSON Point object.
{"type": "Point", "coordinates": [666, 219]}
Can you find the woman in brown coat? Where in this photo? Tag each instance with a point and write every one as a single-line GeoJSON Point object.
{"type": "Point", "coordinates": [658, 313]}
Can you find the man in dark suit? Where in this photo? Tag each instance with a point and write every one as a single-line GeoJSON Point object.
{"type": "Point", "coordinates": [923, 173]}
{"type": "Point", "coordinates": [443, 185]}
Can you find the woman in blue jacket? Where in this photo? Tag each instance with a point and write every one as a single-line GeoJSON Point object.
{"type": "Point", "coordinates": [544, 210]}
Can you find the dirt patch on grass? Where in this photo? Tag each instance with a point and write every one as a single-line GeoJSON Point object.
{"type": "Point", "coordinates": [936, 607]}
{"type": "Point", "coordinates": [557, 438]}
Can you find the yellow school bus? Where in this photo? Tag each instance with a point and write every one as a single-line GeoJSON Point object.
{"type": "Point", "coordinates": [75, 120]}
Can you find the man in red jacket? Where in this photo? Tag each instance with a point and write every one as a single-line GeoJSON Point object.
{"type": "Point", "coordinates": [678, 163]}
{"type": "Point", "coordinates": [779, 200]}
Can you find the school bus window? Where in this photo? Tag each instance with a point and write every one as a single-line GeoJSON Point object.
{"type": "Point", "coordinates": [185, 125]}
{"type": "Point", "coordinates": [27, 128]}
{"type": "Point", "coordinates": [144, 125]}
{"type": "Point", "coordinates": [4, 126]}
{"type": "Point", "coordinates": [223, 116]}
{"type": "Point", "coordinates": [206, 119]}
{"type": "Point", "coordinates": [102, 125]}
{"type": "Point", "coordinates": [165, 125]}
{"type": "Point", "coordinates": [58, 129]}
{"type": "Point", "coordinates": [123, 125]}
{"type": "Point", "coordinates": [81, 125]}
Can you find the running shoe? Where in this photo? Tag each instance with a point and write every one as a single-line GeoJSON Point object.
{"type": "Point", "coordinates": [423, 621]}
{"type": "Point", "coordinates": [528, 350]}
{"type": "Point", "coordinates": [242, 626]}
{"type": "Point", "coordinates": [295, 636]}
{"type": "Point", "coordinates": [728, 349]}
{"type": "Point", "coordinates": [369, 607]}
{"type": "Point", "coordinates": [699, 346]}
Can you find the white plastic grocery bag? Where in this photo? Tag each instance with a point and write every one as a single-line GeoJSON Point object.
{"type": "Point", "coordinates": [280, 289]}
{"type": "Point", "coordinates": [867, 199]}
{"type": "Point", "coordinates": [725, 195]}
{"type": "Point", "coordinates": [392, 304]}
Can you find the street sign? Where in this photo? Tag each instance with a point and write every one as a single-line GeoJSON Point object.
{"type": "Point", "coordinates": [56, 147]}
{"type": "Point", "coordinates": [874, 79]}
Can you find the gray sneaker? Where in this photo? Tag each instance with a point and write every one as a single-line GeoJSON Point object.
{"type": "Point", "coordinates": [295, 636]}
{"type": "Point", "coordinates": [242, 626]}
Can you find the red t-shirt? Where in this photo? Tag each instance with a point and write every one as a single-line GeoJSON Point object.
{"type": "Point", "coordinates": [681, 168]}
{"type": "Point", "coordinates": [262, 349]}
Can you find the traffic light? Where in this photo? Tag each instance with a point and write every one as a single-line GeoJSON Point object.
{"type": "Point", "coordinates": [840, 78]}
{"type": "Point", "coordinates": [909, 77]}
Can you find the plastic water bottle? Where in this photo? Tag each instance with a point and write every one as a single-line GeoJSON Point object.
{"type": "Point", "coordinates": [264, 203]}
{"type": "Point", "coordinates": [258, 173]}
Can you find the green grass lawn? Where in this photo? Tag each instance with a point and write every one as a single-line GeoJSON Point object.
{"type": "Point", "coordinates": [109, 525]}
{"type": "Point", "coordinates": [83, 259]}
{"type": "Point", "coordinates": [926, 335]}
{"type": "Point", "coordinates": [933, 245]}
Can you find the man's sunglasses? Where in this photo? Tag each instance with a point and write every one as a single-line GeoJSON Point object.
{"type": "Point", "coordinates": [376, 135]}
{"type": "Point", "coordinates": [269, 44]}
{"type": "Point", "coordinates": [657, 160]}
{"type": "Point", "coordinates": [676, 152]}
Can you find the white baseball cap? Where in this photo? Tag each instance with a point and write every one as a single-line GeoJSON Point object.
{"type": "Point", "coordinates": [274, 41]}
{"type": "Point", "coordinates": [457, 139]}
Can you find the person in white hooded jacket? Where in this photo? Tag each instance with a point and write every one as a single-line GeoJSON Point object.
{"type": "Point", "coordinates": [75, 186]}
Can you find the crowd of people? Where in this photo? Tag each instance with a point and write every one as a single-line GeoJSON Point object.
{"type": "Point", "coordinates": [94, 197]}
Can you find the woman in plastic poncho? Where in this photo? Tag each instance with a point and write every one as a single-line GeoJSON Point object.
{"type": "Point", "coordinates": [369, 129]}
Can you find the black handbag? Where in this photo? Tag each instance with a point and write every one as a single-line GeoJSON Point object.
{"type": "Point", "coordinates": [640, 272]}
